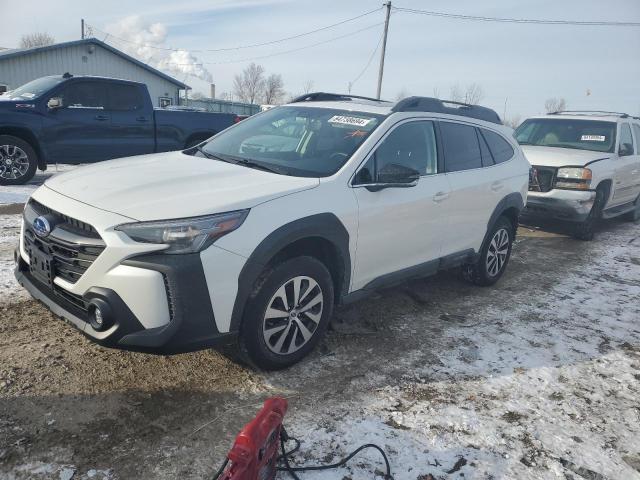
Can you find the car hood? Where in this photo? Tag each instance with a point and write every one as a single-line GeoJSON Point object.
{"type": "Point", "coordinates": [561, 157]}
{"type": "Point", "coordinates": [173, 185]}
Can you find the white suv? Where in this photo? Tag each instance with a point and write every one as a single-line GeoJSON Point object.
{"type": "Point", "coordinates": [255, 234]}
{"type": "Point", "coordinates": [585, 166]}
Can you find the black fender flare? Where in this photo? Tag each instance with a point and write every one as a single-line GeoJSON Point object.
{"type": "Point", "coordinates": [512, 200]}
{"type": "Point", "coordinates": [323, 225]}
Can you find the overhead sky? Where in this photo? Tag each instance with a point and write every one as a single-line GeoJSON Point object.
{"type": "Point", "coordinates": [592, 67]}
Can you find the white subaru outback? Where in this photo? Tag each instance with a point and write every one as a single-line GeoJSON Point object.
{"type": "Point", "coordinates": [585, 166]}
{"type": "Point", "coordinates": [251, 237]}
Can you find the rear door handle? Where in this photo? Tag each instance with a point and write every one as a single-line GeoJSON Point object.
{"type": "Point", "coordinates": [142, 119]}
{"type": "Point", "coordinates": [440, 196]}
{"type": "Point", "coordinates": [102, 118]}
{"type": "Point", "coordinates": [495, 186]}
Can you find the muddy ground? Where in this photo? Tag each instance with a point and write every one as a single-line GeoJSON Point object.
{"type": "Point", "coordinates": [536, 377]}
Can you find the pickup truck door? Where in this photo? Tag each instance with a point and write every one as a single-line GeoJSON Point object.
{"type": "Point", "coordinates": [626, 166]}
{"type": "Point", "coordinates": [79, 131]}
{"type": "Point", "coordinates": [132, 121]}
{"type": "Point", "coordinates": [400, 228]}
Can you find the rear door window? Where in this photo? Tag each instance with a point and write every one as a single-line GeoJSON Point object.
{"type": "Point", "coordinates": [500, 148]}
{"type": "Point", "coordinates": [625, 137]}
{"type": "Point", "coordinates": [125, 97]}
{"type": "Point", "coordinates": [461, 147]}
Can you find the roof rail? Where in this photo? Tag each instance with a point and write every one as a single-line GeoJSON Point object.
{"type": "Point", "coordinates": [328, 97]}
{"type": "Point", "coordinates": [589, 112]}
{"type": "Point", "coordinates": [428, 104]}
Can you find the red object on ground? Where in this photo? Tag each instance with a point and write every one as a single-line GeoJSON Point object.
{"type": "Point", "coordinates": [254, 453]}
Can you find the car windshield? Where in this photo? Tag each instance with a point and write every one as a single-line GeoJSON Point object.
{"type": "Point", "coordinates": [592, 135]}
{"type": "Point", "coordinates": [293, 140]}
{"type": "Point", "coordinates": [33, 89]}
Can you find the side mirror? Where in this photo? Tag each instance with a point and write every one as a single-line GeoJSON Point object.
{"type": "Point", "coordinates": [625, 149]}
{"type": "Point", "coordinates": [54, 102]}
{"type": "Point", "coordinates": [394, 175]}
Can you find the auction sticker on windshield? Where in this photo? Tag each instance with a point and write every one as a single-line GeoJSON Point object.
{"type": "Point", "coordinates": [354, 121]}
{"type": "Point", "coordinates": [592, 138]}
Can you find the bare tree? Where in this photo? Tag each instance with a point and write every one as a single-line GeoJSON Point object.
{"type": "Point", "coordinates": [436, 92]}
{"type": "Point", "coordinates": [197, 96]}
{"type": "Point", "coordinates": [555, 105]}
{"type": "Point", "coordinates": [307, 87]}
{"type": "Point", "coordinates": [38, 39]}
{"type": "Point", "coordinates": [249, 86]}
{"type": "Point", "coordinates": [472, 94]}
{"type": "Point", "coordinates": [513, 122]}
{"type": "Point", "coordinates": [403, 93]}
{"type": "Point", "coordinates": [273, 89]}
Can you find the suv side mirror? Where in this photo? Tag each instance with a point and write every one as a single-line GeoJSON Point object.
{"type": "Point", "coordinates": [54, 102]}
{"type": "Point", "coordinates": [625, 149]}
{"type": "Point", "coordinates": [394, 175]}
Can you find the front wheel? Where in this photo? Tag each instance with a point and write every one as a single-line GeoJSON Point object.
{"type": "Point", "coordinates": [585, 230]}
{"type": "Point", "coordinates": [18, 161]}
{"type": "Point", "coordinates": [287, 313]}
{"type": "Point", "coordinates": [494, 255]}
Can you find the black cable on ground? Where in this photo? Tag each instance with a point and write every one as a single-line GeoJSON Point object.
{"type": "Point", "coordinates": [291, 470]}
{"type": "Point", "coordinates": [221, 469]}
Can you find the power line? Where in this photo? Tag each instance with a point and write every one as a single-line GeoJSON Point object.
{"type": "Point", "coordinates": [516, 20]}
{"type": "Point", "coordinates": [284, 52]}
{"type": "Point", "coordinates": [352, 82]}
{"type": "Point", "coordinates": [240, 47]}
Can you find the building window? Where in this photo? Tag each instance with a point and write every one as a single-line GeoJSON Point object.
{"type": "Point", "coordinates": [164, 102]}
{"type": "Point", "coordinates": [3, 88]}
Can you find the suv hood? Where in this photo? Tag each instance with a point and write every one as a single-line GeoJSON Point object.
{"type": "Point", "coordinates": [561, 157]}
{"type": "Point", "coordinates": [173, 185]}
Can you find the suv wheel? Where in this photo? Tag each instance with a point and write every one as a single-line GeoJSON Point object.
{"type": "Point", "coordinates": [18, 161]}
{"type": "Point", "coordinates": [634, 215]}
{"type": "Point", "coordinates": [585, 230]}
{"type": "Point", "coordinates": [287, 314]}
{"type": "Point", "coordinates": [494, 255]}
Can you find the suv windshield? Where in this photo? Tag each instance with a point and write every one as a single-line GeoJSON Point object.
{"type": "Point", "coordinates": [299, 141]}
{"type": "Point", "coordinates": [33, 89]}
{"type": "Point", "coordinates": [568, 133]}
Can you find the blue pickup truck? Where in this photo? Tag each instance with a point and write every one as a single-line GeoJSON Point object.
{"type": "Point", "coordinates": [74, 119]}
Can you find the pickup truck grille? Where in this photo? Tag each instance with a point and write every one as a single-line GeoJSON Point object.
{"type": "Point", "coordinates": [541, 179]}
{"type": "Point", "coordinates": [72, 245]}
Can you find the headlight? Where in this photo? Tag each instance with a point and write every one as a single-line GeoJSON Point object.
{"type": "Point", "coordinates": [187, 235]}
{"type": "Point", "coordinates": [573, 178]}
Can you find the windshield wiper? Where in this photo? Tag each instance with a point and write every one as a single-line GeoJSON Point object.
{"type": "Point", "coordinates": [211, 155]}
{"type": "Point", "coordinates": [260, 166]}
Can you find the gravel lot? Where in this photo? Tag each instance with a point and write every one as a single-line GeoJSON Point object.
{"type": "Point", "coordinates": [537, 377]}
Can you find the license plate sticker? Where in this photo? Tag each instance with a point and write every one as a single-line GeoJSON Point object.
{"type": "Point", "coordinates": [593, 138]}
{"type": "Point", "coordinates": [351, 121]}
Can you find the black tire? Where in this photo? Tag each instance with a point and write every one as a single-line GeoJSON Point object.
{"type": "Point", "coordinates": [254, 348]}
{"type": "Point", "coordinates": [480, 273]}
{"type": "Point", "coordinates": [586, 230]}
{"type": "Point", "coordinates": [633, 215]}
{"type": "Point", "coordinates": [10, 175]}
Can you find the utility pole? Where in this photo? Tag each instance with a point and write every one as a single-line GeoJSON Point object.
{"type": "Point", "coordinates": [82, 28]}
{"type": "Point", "coordinates": [384, 47]}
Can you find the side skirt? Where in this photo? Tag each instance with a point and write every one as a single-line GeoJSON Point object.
{"type": "Point", "coordinates": [423, 270]}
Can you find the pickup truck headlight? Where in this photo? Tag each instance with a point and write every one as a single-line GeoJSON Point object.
{"type": "Point", "coordinates": [574, 178]}
{"type": "Point", "coordinates": [188, 235]}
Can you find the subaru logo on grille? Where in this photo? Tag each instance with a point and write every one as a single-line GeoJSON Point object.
{"type": "Point", "coordinates": [41, 226]}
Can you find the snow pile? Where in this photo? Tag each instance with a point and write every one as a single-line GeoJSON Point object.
{"type": "Point", "coordinates": [10, 291]}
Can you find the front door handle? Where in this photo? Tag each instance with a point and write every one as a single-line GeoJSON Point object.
{"type": "Point", "coordinates": [440, 196]}
{"type": "Point", "coordinates": [102, 118]}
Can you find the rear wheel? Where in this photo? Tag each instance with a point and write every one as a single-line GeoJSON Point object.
{"type": "Point", "coordinates": [18, 161]}
{"type": "Point", "coordinates": [287, 314]}
{"type": "Point", "coordinates": [494, 255]}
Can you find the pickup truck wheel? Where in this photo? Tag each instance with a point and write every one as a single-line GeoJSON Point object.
{"type": "Point", "coordinates": [18, 161]}
{"type": "Point", "coordinates": [287, 314]}
{"type": "Point", "coordinates": [585, 230]}
{"type": "Point", "coordinates": [633, 215]}
{"type": "Point", "coordinates": [494, 255]}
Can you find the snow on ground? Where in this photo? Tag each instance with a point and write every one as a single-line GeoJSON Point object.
{"type": "Point", "coordinates": [569, 408]}
{"type": "Point", "coordinates": [21, 193]}
{"type": "Point", "coordinates": [10, 291]}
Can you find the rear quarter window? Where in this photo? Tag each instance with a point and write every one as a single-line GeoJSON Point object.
{"type": "Point", "coordinates": [500, 148]}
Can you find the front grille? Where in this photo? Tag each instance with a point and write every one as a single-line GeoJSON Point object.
{"type": "Point", "coordinates": [73, 245]}
{"type": "Point", "coordinates": [541, 179]}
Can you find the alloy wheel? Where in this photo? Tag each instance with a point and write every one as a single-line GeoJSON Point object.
{"type": "Point", "coordinates": [497, 252]}
{"type": "Point", "coordinates": [14, 162]}
{"type": "Point", "coordinates": [293, 315]}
